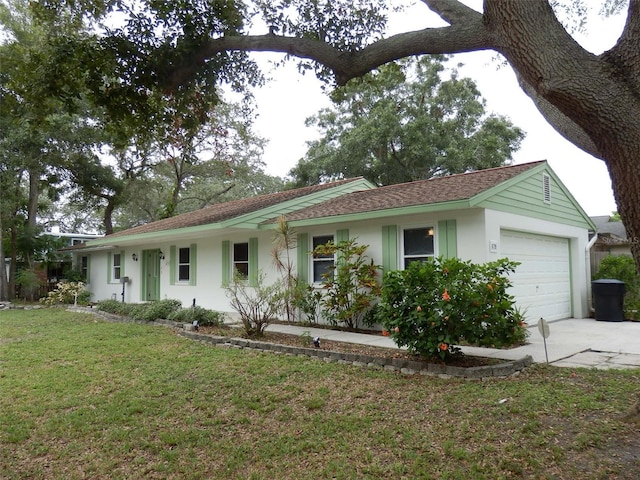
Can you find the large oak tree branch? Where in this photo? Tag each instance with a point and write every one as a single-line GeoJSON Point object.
{"type": "Point", "coordinates": [465, 37]}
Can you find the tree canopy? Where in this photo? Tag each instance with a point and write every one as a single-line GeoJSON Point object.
{"type": "Point", "coordinates": [405, 122]}
{"type": "Point", "coordinates": [161, 48]}
{"type": "Point", "coordinates": [592, 100]}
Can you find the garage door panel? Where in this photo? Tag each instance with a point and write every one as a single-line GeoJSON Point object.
{"type": "Point", "coordinates": [541, 283]}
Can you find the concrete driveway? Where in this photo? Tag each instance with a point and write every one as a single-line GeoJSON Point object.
{"type": "Point", "coordinates": [578, 342]}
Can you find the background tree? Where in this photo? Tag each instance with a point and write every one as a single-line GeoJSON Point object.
{"type": "Point", "coordinates": [592, 100]}
{"type": "Point", "coordinates": [403, 122]}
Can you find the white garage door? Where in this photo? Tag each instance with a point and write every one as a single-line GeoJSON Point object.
{"type": "Point", "coordinates": [541, 283]}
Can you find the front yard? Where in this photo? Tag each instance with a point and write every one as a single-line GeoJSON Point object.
{"type": "Point", "coordinates": [85, 398]}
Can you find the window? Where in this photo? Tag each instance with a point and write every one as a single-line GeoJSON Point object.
{"type": "Point", "coordinates": [322, 264]}
{"type": "Point", "coordinates": [84, 267]}
{"type": "Point", "coordinates": [184, 264]}
{"type": "Point", "coordinates": [116, 270]}
{"type": "Point", "coordinates": [241, 259]}
{"type": "Point", "coordinates": [418, 245]}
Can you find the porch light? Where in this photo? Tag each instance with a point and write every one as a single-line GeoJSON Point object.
{"type": "Point", "coordinates": [134, 257]}
{"type": "Point", "coordinates": [161, 255]}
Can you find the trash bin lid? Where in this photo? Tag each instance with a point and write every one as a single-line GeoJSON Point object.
{"type": "Point", "coordinates": [607, 280]}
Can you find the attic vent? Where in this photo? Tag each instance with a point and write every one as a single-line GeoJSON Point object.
{"type": "Point", "coordinates": [546, 188]}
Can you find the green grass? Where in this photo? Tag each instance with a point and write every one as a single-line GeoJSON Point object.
{"type": "Point", "coordinates": [85, 398]}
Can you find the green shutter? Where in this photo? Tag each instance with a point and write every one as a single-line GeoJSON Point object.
{"type": "Point", "coordinates": [389, 248]}
{"type": "Point", "coordinates": [193, 256]}
{"type": "Point", "coordinates": [226, 262]}
{"type": "Point", "coordinates": [89, 268]}
{"type": "Point", "coordinates": [253, 261]}
{"type": "Point", "coordinates": [342, 235]}
{"type": "Point", "coordinates": [109, 266]}
{"type": "Point", "coordinates": [302, 245]}
{"type": "Point", "coordinates": [447, 239]}
{"type": "Point", "coordinates": [173, 262]}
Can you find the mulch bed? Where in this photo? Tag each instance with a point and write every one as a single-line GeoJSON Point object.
{"type": "Point", "coordinates": [460, 360]}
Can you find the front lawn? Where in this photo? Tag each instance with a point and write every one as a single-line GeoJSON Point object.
{"type": "Point", "coordinates": [84, 398]}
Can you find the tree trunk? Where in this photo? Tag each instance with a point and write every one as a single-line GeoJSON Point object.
{"type": "Point", "coordinates": [580, 94]}
{"type": "Point", "coordinates": [107, 218]}
{"type": "Point", "coordinates": [4, 285]}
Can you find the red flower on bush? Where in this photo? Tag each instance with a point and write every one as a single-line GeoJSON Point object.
{"type": "Point", "coordinates": [385, 333]}
{"type": "Point", "coordinates": [490, 287]}
{"type": "Point", "coordinates": [445, 296]}
{"type": "Point", "coordinates": [443, 347]}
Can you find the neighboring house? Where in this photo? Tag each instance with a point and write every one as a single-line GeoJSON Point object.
{"type": "Point", "coordinates": [522, 212]}
{"type": "Point", "coordinates": [612, 240]}
{"type": "Point", "coordinates": [56, 271]}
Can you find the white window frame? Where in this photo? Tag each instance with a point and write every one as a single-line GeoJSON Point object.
{"type": "Point", "coordinates": [116, 270]}
{"type": "Point", "coordinates": [320, 260]}
{"type": "Point", "coordinates": [404, 257]}
{"type": "Point", "coordinates": [235, 262]}
{"type": "Point", "coordinates": [180, 264]}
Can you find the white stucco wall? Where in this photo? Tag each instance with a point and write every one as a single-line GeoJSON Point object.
{"type": "Point", "coordinates": [476, 228]}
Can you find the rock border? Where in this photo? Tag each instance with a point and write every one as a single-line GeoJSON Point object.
{"type": "Point", "coordinates": [401, 365]}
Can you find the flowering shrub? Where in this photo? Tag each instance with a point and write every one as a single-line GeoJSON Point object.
{"type": "Point", "coordinates": [433, 307]}
{"type": "Point", "coordinates": [68, 293]}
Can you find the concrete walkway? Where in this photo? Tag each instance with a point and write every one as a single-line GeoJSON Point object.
{"type": "Point", "coordinates": [571, 343]}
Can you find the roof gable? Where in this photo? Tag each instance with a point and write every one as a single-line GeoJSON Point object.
{"type": "Point", "coordinates": [527, 194]}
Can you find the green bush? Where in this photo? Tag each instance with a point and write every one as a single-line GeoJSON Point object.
{"type": "Point", "coordinates": [623, 268]}
{"type": "Point", "coordinates": [146, 312]}
{"type": "Point", "coordinates": [203, 316]}
{"type": "Point", "coordinates": [151, 311]}
{"type": "Point", "coordinates": [115, 307]}
{"type": "Point", "coordinates": [433, 307]}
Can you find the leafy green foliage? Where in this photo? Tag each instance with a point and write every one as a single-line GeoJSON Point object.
{"type": "Point", "coordinates": [114, 306]}
{"type": "Point", "coordinates": [203, 316]}
{"type": "Point", "coordinates": [433, 307]}
{"type": "Point", "coordinates": [147, 312]}
{"type": "Point", "coordinates": [29, 283]}
{"type": "Point", "coordinates": [68, 293]}
{"type": "Point", "coordinates": [309, 300]}
{"type": "Point", "coordinates": [351, 288]}
{"type": "Point", "coordinates": [623, 268]}
{"type": "Point", "coordinates": [404, 122]}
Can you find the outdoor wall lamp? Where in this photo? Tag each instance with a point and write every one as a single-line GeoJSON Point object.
{"type": "Point", "coordinates": [134, 256]}
{"type": "Point", "coordinates": [161, 255]}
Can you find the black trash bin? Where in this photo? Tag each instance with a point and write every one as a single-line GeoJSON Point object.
{"type": "Point", "coordinates": [608, 298]}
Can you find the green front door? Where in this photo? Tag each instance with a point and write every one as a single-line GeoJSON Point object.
{"type": "Point", "coordinates": [150, 275]}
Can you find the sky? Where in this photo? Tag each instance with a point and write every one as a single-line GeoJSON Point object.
{"type": "Point", "coordinates": [289, 98]}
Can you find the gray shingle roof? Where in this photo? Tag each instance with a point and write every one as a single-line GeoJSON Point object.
{"type": "Point", "coordinates": [604, 226]}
